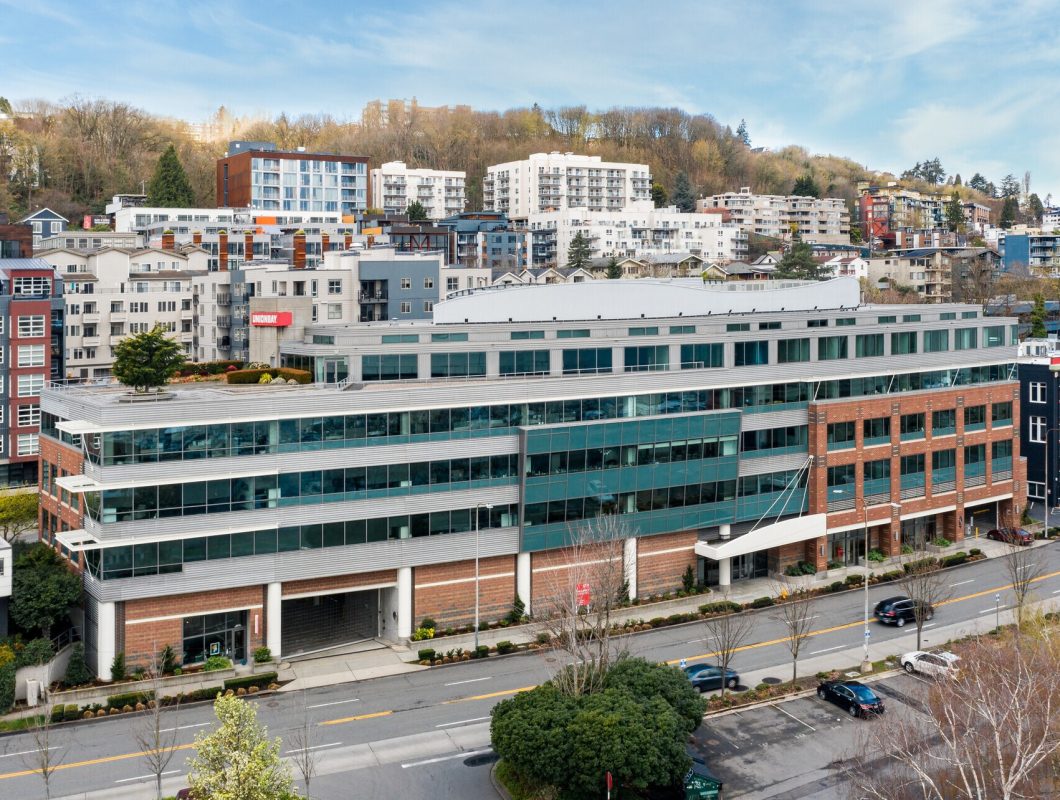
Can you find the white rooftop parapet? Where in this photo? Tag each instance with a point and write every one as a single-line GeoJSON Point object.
{"type": "Point", "coordinates": [643, 298]}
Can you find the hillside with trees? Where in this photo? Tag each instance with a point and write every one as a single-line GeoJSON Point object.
{"type": "Point", "coordinates": [74, 155]}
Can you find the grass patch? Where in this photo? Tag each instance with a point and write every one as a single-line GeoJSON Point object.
{"type": "Point", "coordinates": [20, 724]}
{"type": "Point", "coordinates": [518, 788]}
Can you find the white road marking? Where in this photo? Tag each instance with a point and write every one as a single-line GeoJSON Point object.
{"type": "Point", "coordinates": [336, 703]}
{"type": "Point", "coordinates": [782, 711]}
{"type": "Point", "coordinates": [992, 610]}
{"type": "Point", "coordinates": [147, 777]}
{"type": "Point", "coordinates": [703, 639]}
{"type": "Point", "coordinates": [467, 754]}
{"type": "Point", "coordinates": [930, 624]}
{"type": "Point", "coordinates": [184, 727]}
{"type": "Point", "coordinates": [314, 747]}
{"type": "Point", "coordinates": [828, 649]}
{"type": "Point", "coordinates": [961, 583]}
{"type": "Point", "coordinates": [1056, 591]}
{"type": "Point", "coordinates": [461, 722]}
{"type": "Point", "coordinates": [470, 680]}
{"type": "Point", "coordinates": [21, 753]}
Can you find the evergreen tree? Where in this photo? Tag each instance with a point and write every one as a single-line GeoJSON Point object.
{"type": "Point", "coordinates": [978, 182]}
{"type": "Point", "coordinates": [237, 760]}
{"type": "Point", "coordinates": [1010, 187]}
{"type": "Point", "coordinates": [1009, 210]}
{"type": "Point", "coordinates": [614, 272]}
{"type": "Point", "coordinates": [43, 588]}
{"type": "Point", "coordinates": [147, 360]}
{"type": "Point", "coordinates": [806, 186]}
{"type": "Point", "coordinates": [683, 197]}
{"type": "Point", "coordinates": [416, 212]}
{"type": "Point", "coordinates": [798, 264]}
{"type": "Point", "coordinates": [659, 195]}
{"type": "Point", "coordinates": [957, 179]}
{"type": "Point", "coordinates": [579, 252]}
{"type": "Point", "coordinates": [77, 671]}
{"type": "Point", "coordinates": [742, 134]}
{"type": "Point", "coordinates": [954, 213]}
{"type": "Point", "coordinates": [1035, 208]}
{"type": "Point", "coordinates": [1038, 329]}
{"type": "Point", "coordinates": [169, 188]}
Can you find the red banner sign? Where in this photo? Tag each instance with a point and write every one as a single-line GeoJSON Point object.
{"type": "Point", "coordinates": [583, 594]}
{"type": "Point", "coordinates": [271, 319]}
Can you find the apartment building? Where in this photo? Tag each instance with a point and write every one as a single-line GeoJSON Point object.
{"type": "Point", "coordinates": [1038, 251]}
{"type": "Point", "coordinates": [257, 175]}
{"type": "Point", "coordinates": [824, 220]}
{"type": "Point", "coordinates": [489, 239]}
{"type": "Point", "coordinates": [1051, 219]}
{"type": "Point", "coordinates": [558, 181]}
{"type": "Point", "coordinates": [976, 216]}
{"type": "Point", "coordinates": [884, 209]}
{"type": "Point", "coordinates": [735, 429]}
{"type": "Point", "coordinates": [934, 273]}
{"type": "Point", "coordinates": [16, 241]}
{"type": "Point", "coordinates": [1040, 419]}
{"type": "Point", "coordinates": [91, 240]}
{"type": "Point", "coordinates": [395, 187]}
{"type": "Point", "coordinates": [113, 293]}
{"type": "Point", "coordinates": [31, 314]}
{"type": "Point", "coordinates": [629, 233]}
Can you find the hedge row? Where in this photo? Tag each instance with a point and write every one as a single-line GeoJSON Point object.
{"type": "Point", "coordinates": [208, 368]}
{"type": "Point", "coordinates": [254, 375]}
{"type": "Point", "coordinates": [262, 679]}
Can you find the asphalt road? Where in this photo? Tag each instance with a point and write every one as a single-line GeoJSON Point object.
{"type": "Point", "coordinates": [426, 734]}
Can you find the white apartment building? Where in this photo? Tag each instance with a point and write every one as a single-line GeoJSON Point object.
{"type": "Point", "coordinates": [630, 233]}
{"type": "Point", "coordinates": [823, 220]}
{"type": "Point", "coordinates": [547, 182]}
{"type": "Point", "coordinates": [395, 187]}
{"type": "Point", "coordinates": [1051, 219]}
{"type": "Point", "coordinates": [138, 219]}
{"type": "Point", "coordinates": [113, 292]}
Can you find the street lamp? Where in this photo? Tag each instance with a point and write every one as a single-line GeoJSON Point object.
{"type": "Point", "coordinates": [478, 508]}
{"type": "Point", "coordinates": [997, 611]}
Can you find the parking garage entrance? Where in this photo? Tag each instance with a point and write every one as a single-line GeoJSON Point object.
{"type": "Point", "coordinates": [323, 621]}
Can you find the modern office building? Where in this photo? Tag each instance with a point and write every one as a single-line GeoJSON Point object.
{"type": "Point", "coordinates": [557, 181]}
{"type": "Point", "coordinates": [257, 175]}
{"type": "Point", "coordinates": [31, 355]}
{"type": "Point", "coordinates": [395, 187]}
{"type": "Point", "coordinates": [734, 428]}
{"type": "Point", "coordinates": [825, 220]}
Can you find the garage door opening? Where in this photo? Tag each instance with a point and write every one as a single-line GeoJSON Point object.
{"type": "Point", "coordinates": [329, 620]}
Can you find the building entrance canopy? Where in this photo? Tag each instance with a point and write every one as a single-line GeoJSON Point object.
{"type": "Point", "coordinates": [778, 534]}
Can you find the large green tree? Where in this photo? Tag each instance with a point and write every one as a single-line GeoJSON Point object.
{"type": "Point", "coordinates": [954, 213]}
{"type": "Point", "coordinates": [579, 252]}
{"type": "Point", "coordinates": [147, 360]}
{"type": "Point", "coordinates": [1035, 208]}
{"type": "Point", "coordinates": [170, 188]}
{"type": "Point", "coordinates": [742, 134]}
{"type": "Point", "coordinates": [237, 760]}
{"type": "Point", "coordinates": [659, 195]}
{"type": "Point", "coordinates": [806, 186]}
{"type": "Point", "coordinates": [684, 198]}
{"type": "Point", "coordinates": [43, 588]}
{"type": "Point", "coordinates": [18, 514]}
{"type": "Point", "coordinates": [1038, 329]}
{"type": "Point", "coordinates": [614, 271]}
{"type": "Point", "coordinates": [416, 212]}
{"type": "Point", "coordinates": [798, 264]}
{"type": "Point", "coordinates": [1009, 211]}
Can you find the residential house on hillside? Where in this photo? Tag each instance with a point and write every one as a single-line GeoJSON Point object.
{"type": "Point", "coordinates": [45, 223]}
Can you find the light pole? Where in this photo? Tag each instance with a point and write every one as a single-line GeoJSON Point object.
{"type": "Point", "coordinates": [478, 508]}
{"type": "Point", "coordinates": [997, 611]}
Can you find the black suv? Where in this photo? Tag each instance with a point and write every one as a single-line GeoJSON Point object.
{"type": "Point", "coordinates": [855, 698]}
{"type": "Point", "coordinates": [900, 610]}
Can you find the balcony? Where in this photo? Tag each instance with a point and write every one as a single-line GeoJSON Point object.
{"type": "Point", "coordinates": [90, 319]}
{"type": "Point", "coordinates": [119, 316]}
{"type": "Point", "coordinates": [92, 341]}
{"type": "Point", "coordinates": [115, 338]}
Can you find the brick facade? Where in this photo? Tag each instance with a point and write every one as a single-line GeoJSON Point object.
{"type": "Point", "coordinates": [338, 583]}
{"type": "Point", "coordinates": [446, 592]}
{"type": "Point", "coordinates": [662, 561]}
{"type": "Point", "coordinates": [557, 572]}
{"type": "Point", "coordinates": [55, 515]}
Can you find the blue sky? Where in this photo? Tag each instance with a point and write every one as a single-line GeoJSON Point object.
{"type": "Point", "coordinates": [888, 84]}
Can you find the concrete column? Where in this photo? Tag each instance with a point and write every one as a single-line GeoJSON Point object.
{"type": "Point", "coordinates": [629, 564]}
{"type": "Point", "coordinates": [273, 614]}
{"type": "Point", "coordinates": [725, 530]}
{"type": "Point", "coordinates": [725, 572]}
{"type": "Point", "coordinates": [404, 602]}
{"type": "Point", "coordinates": [522, 579]}
{"type": "Point", "coordinates": [106, 629]}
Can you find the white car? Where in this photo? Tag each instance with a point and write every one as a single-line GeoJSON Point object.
{"type": "Point", "coordinates": [939, 665]}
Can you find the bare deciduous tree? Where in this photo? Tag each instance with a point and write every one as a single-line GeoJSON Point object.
{"type": "Point", "coordinates": [156, 735]}
{"type": "Point", "coordinates": [926, 585]}
{"type": "Point", "coordinates": [301, 741]}
{"type": "Point", "coordinates": [597, 569]}
{"type": "Point", "coordinates": [728, 632]}
{"type": "Point", "coordinates": [1024, 566]}
{"type": "Point", "coordinates": [796, 615]}
{"type": "Point", "coordinates": [47, 752]}
{"type": "Point", "coordinates": [992, 733]}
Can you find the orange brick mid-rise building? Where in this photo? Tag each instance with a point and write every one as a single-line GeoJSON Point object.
{"type": "Point", "coordinates": [730, 431]}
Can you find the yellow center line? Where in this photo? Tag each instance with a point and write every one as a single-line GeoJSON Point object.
{"type": "Point", "coordinates": [90, 762]}
{"type": "Point", "coordinates": [358, 717]}
{"type": "Point", "coordinates": [488, 696]}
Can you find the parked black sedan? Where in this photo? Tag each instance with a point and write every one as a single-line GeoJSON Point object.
{"type": "Point", "coordinates": [900, 610]}
{"type": "Point", "coordinates": [856, 698]}
{"type": "Point", "coordinates": [705, 677]}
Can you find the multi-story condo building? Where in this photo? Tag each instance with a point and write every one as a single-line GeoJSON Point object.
{"type": "Point", "coordinates": [825, 220]}
{"type": "Point", "coordinates": [257, 175]}
{"type": "Point", "coordinates": [16, 241]}
{"type": "Point", "coordinates": [31, 334]}
{"type": "Point", "coordinates": [489, 239]}
{"type": "Point", "coordinates": [395, 187]}
{"type": "Point", "coordinates": [634, 234]}
{"type": "Point", "coordinates": [91, 240]}
{"type": "Point", "coordinates": [1038, 251]}
{"type": "Point", "coordinates": [1040, 419]}
{"type": "Point", "coordinates": [557, 181]}
{"type": "Point", "coordinates": [976, 215]}
{"type": "Point", "coordinates": [112, 293]}
{"type": "Point", "coordinates": [1051, 219]}
{"type": "Point", "coordinates": [935, 273]}
{"type": "Point", "coordinates": [731, 428]}
{"type": "Point", "coordinates": [884, 209]}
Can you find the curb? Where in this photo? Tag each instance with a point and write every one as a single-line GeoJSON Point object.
{"type": "Point", "coordinates": [498, 787]}
{"type": "Point", "coordinates": [876, 676]}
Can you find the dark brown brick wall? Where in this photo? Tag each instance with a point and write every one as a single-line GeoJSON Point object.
{"type": "Point", "coordinates": [446, 592]}
{"type": "Point", "coordinates": [337, 582]}
{"type": "Point", "coordinates": [662, 560]}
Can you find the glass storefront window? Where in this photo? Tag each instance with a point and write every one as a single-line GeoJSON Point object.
{"type": "Point", "coordinates": [222, 634]}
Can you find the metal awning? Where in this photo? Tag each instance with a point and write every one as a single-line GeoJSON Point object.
{"type": "Point", "coordinates": [77, 540]}
{"type": "Point", "coordinates": [788, 531]}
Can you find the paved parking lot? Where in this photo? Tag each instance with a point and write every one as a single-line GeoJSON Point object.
{"type": "Point", "coordinates": [789, 750]}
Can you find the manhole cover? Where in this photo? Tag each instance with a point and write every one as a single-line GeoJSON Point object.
{"type": "Point", "coordinates": [480, 760]}
{"type": "Point", "coordinates": [273, 703]}
{"type": "Point", "coordinates": [772, 681]}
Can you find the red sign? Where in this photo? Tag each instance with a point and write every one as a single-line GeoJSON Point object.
{"type": "Point", "coordinates": [583, 594]}
{"type": "Point", "coordinates": [271, 319]}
